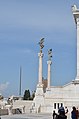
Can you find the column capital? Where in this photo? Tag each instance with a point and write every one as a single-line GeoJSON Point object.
{"type": "Point", "coordinates": [49, 62]}
{"type": "Point", "coordinates": [40, 54]}
{"type": "Point", "coordinates": [75, 12]}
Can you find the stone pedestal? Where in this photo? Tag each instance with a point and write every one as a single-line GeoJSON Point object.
{"type": "Point", "coordinates": [39, 98]}
{"type": "Point", "coordinates": [39, 90]}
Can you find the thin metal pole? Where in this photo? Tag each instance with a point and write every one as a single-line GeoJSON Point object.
{"type": "Point", "coordinates": [20, 81]}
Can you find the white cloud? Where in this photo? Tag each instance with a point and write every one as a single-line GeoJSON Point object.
{"type": "Point", "coordinates": [4, 86]}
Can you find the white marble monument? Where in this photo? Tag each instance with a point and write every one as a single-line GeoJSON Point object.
{"type": "Point", "coordinates": [39, 95]}
{"type": "Point", "coordinates": [56, 96]}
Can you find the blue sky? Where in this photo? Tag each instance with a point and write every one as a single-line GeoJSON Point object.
{"type": "Point", "coordinates": [22, 24]}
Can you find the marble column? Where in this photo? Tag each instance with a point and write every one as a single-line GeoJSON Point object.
{"type": "Point", "coordinates": [40, 75]}
{"type": "Point", "coordinates": [49, 73]}
{"type": "Point", "coordinates": [77, 48]}
{"type": "Point", "coordinates": [76, 17]}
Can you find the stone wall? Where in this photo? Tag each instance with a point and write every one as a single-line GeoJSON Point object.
{"type": "Point", "coordinates": [3, 111]}
{"type": "Point", "coordinates": [24, 105]}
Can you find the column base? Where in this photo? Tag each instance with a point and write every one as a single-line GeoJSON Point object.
{"type": "Point", "coordinates": [76, 81]}
{"type": "Point", "coordinates": [39, 98]}
{"type": "Point", "coordinates": [77, 78]}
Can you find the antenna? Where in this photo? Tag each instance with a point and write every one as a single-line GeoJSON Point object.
{"type": "Point", "coordinates": [20, 81]}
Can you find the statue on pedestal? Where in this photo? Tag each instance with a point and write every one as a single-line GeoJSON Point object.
{"type": "Point", "coordinates": [41, 44]}
{"type": "Point", "coordinates": [49, 54]}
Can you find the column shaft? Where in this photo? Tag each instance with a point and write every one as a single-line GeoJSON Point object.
{"type": "Point", "coordinates": [75, 11]}
{"type": "Point", "coordinates": [40, 68]}
{"type": "Point", "coordinates": [77, 48]}
{"type": "Point", "coordinates": [49, 73]}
